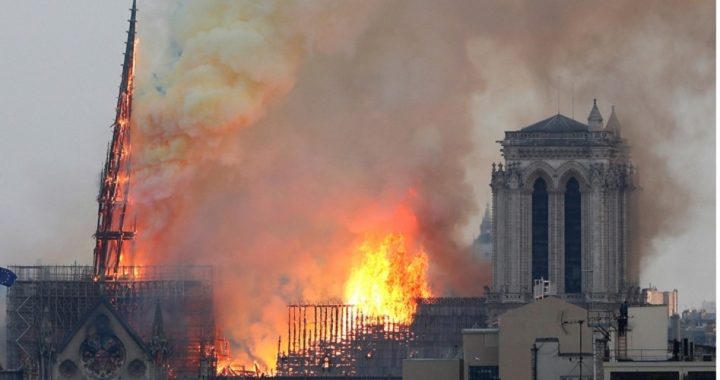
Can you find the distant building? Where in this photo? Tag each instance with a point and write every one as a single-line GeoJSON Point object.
{"type": "Point", "coordinates": [527, 335]}
{"type": "Point", "coordinates": [551, 339]}
{"type": "Point", "coordinates": [561, 210]}
{"type": "Point", "coordinates": [482, 245]}
{"type": "Point", "coordinates": [643, 351]}
{"type": "Point", "coordinates": [708, 306]}
{"type": "Point", "coordinates": [697, 326]}
{"type": "Point", "coordinates": [652, 296]}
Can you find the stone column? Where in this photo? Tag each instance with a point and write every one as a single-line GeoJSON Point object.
{"type": "Point", "coordinates": [614, 238]}
{"type": "Point", "coordinates": [525, 235]}
{"type": "Point", "coordinates": [498, 242]}
{"type": "Point", "coordinates": [513, 242]}
{"type": "Point", "coordinates": [595, 230]}
{"type": "Point", "coordinates": [556, 242]}
{"type": "Point", "coordinates": [588, 240]}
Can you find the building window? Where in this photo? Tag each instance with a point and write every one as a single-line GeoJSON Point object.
{"type": "Point", "coordinates": [539, 230]}
{"type": "Point", "coordinates": [573, 238]}
{"type": "Point", "coordinates": [476, 372]}
{"type": "Point", "coordinates": [645, 375]}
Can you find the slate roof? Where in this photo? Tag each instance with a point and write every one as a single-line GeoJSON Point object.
{"type": "Point", "coordinates": [557, 123]}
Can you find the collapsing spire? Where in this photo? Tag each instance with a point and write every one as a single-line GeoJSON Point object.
{"type": "Point", "coordinates": [595, 119]}
{"type": "Point", "coordinates": [128, 73]}
{"type": "Point", "coordinates": [115, 178]}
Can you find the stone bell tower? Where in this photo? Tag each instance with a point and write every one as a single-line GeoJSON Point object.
{"type": "Point", "coordinates": [561, 210]}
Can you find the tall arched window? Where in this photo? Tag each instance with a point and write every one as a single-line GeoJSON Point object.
{"type": "Point", "coordinates": [539, 230]}
{"type": "Point", "coordinates": [573, 239]}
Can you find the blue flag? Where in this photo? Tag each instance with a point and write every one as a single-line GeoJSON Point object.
{"type": "Point", "coordinates": [7, 277]}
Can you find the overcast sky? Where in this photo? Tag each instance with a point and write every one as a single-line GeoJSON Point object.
{"type": "Point", "coordinates": [60, 66]}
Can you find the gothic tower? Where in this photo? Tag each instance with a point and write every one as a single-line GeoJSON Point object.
{"type": "Point", "coordinates": [561, 211]}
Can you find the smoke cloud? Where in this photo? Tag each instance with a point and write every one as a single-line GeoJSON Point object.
{"type": "Point", "coordinates": [270, 137]}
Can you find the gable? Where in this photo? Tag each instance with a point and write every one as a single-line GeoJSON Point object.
{"type": "Point", "coordinates": [519, 328]}
{"type": "Point", "coordinates": [103, 346]}
{"type": "Point", "coordinates": [545, 306]}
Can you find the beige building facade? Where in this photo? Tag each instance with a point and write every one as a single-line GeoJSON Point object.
{"type": "Point", "coordinates": [546, 318]}
{"type": "Point", "coordinates": [481, 353]}
{"type": "Point", "coordinates": [432, 369]}
{"type": "Point", "coordinates": [647, 337]}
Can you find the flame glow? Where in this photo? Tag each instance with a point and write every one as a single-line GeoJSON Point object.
{"type": "Point", "coordinates": [227, 169]}
{"type": "Point", "coordinates": [389, 279]}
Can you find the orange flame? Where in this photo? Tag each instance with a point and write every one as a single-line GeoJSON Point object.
{"type": "Point", "coordinates": [389, 279]}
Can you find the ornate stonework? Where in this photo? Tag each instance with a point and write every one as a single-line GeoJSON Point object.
{"type": "Point", "coordinates": [558, 150]}
{"type": "Point", "coordinates": [103, 346]}
{"type": "Point", "coordinates": [102, 354]}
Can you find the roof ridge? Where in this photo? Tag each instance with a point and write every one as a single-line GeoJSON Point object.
{"type": "Point", "coordinates": [557, 123]}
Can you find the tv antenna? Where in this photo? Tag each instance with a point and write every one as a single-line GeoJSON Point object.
{"type": "Point", "coordinates": [572, 99]}
{"type": "Point", "coordinates": [557, 91]}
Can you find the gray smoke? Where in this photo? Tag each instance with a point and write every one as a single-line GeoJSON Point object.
{"type": "Point", "coordinates": [275, 190]}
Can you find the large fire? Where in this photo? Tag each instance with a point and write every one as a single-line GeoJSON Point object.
{"type": "Point", "coordinates": [288, 210]}
{"type": "Point", "coordinates": [392, 274]}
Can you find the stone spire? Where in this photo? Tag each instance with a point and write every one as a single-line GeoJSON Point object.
{"type": "Point", "coordinates": [595, 119]}
{"type": "Point", "coordinates": [158, 330]}
{"type": "Point", "coordinates": [613, 125]}
{"type": "Point", "coordinates": [485, 224]}
{"type": "Point", "coordinates": [159, 345]}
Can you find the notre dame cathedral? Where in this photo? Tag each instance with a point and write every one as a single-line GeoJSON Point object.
{"type": "Point", "coordinates": [560, 212]}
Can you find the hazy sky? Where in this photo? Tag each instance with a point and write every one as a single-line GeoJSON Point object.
{"type": "Point", "coordinates": [60, 65]}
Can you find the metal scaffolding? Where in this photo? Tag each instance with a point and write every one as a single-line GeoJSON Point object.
{"type": "Point", "coordinates": [338, 339]}
{"type": "Point", "coordinates": [326, 340]}
{"type": "Point", "coordinates": [69, 293]}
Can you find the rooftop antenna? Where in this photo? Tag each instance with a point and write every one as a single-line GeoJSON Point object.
{"type": "Point", "coordinates": [572, 100]}
{"type": "Point", "coordinates": [558, 99]}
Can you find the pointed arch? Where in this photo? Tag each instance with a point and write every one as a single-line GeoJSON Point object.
{"type": "Point", "coordinates": [573, 169]}
{"type": "Point", "coordinates": [539, 169]}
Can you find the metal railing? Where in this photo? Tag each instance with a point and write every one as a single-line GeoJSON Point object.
{"type": "Point", "coordinates": [125, 273]}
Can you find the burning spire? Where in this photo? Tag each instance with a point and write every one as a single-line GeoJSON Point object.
{"type": "Point", "coordinates": [115, 178]}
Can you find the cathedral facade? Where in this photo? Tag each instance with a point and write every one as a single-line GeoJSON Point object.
{"type": "Point", "coordinates": [561, 212]}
